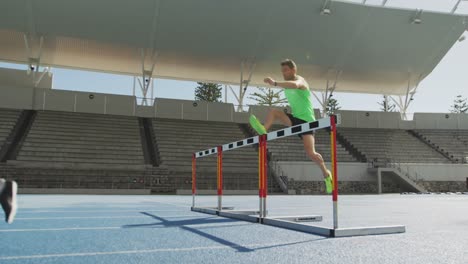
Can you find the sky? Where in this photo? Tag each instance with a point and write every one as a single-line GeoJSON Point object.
{"type": "Point", "coordinates": [436, 93]}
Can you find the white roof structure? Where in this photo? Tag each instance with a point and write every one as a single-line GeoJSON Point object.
{"type": "Point", "coordinates": [365, 49]}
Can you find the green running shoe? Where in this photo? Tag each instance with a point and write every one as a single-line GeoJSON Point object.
{"type": "Point", "coordinates": [329, 182]}
{"type": "Point", "coordinates": [257, 125]}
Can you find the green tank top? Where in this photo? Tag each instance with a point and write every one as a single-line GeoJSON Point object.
{"type": "Point", "coordinates": [300, 102]}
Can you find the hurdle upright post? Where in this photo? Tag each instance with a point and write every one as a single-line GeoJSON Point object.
{"type": "Point", "coordinates": [194, 178]}
{"type": "Point", "coordinates": [265, 168]}
{"type": "Point", "coordinates": [220, 177]}
{"type": "Point", "coordinates": [334, 170]}
{"type": "Point", "coordinates": [262, 168]}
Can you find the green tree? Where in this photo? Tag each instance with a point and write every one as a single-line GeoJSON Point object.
{"type": "Point", "coordinates": [210, 92]}
{"type": "Point", "coordinates": [460, 105]}
{"type": "Point", "coordinates": [387, 106]}
{"type": "Point", "coordinates": [269, 97]}
{"type": "Point", "coordinates": [332, 106]}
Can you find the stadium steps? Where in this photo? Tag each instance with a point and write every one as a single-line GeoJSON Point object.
{"type": "Point", "coordinates": [453, 144]}
{"type": "Point", "coordinates": [80, 140]}
{"type": "Point", "coordinates": [402, 178]}
{"type": "Point", "coordinates": [39, 175]}
{"type": "Point", "coordinates": [13, 127]}
{"type": "Point", "coordinates": [148, 142]}
{"type": "Point", "coordinates": [276, 181]}
{"type": "Point", "coordinates": [358, 155]}
{"type": "Point", "coordinates": [178, 139]}
{"type": "Point", "coordinates": [292, 148]}
{"type": "Point", "coordinates": [393, 145]}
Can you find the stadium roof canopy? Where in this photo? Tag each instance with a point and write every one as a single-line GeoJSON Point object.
{"type": "Point", "coordinates": [366, 49]}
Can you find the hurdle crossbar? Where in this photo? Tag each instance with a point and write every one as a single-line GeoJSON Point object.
{"type": "Point", "coordinates": [297, 223]}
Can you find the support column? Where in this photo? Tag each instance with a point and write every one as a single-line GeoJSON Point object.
{"type": "Point", "coordinates": [456, 6]}
{"type": "Point", "coordinates": [404, 102]}
{"type": "Point", "coordinates": [33, 47]}
{"type": "Point", "coordinates": [329, 89]}
{"type": "Point", "coordinates": [249, 67]}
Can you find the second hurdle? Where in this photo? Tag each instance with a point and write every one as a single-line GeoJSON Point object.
{"type": "Point", "coordinates": [261, 215]}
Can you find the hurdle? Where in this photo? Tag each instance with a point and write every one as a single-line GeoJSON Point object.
{"type": "Point", "coordinates": [297, 223]}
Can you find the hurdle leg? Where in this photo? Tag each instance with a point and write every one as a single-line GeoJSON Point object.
{"type": "Point", "coordinates": [265, 168]}
{"type": "Point", "coordinates": [260, 176]}
{"type": "Point", "coordinates": [194, 178]}
{"type": "Point", "coordinates": [220, 178]}
{"type": "Point", "coordinates": [334, 171]}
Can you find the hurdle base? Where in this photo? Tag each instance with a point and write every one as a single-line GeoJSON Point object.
{"type": "Point", "coordinates": [330, 232]}
{"type": "Point", "coordinates": [209, 210]}
{"type": "Point", "coordinates": [229, 212]}
{"type": "Point", "coordinates": [298, 218]}
{"type": "Point", "coordinates": [244, 215]}
{"type": "Point", "coordinates": [296, 223]}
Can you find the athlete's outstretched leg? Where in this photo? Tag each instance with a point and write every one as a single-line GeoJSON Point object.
{"type": "Point", "coordinates": [275, 114]}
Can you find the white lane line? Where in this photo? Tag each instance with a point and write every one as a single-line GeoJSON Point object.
{"type": "Point", "coordinates": [85, 254]}
{"type": "Point", "coordinates": [60, 229]}
{"type": "Point", "coordinates": [81, 217]}
{"type": "Point", "coordinates": [103, 217]}
{"type": "Point", "coordinates": [100, 211]}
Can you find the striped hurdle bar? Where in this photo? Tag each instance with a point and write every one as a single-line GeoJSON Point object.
{"type": "Point", "coordinates": [297, 223]}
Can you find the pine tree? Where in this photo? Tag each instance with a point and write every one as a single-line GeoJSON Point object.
{"type": "Point", "coordinates": [387, 106]}
{"type": "Point", "coordinates": [460, 105]}
{"type": "Point", "coordinates": [268, 97]}
{"type": "Point", "coordinates": [332, 106]}
{"type": "Point", "coordinates": [210, 92]}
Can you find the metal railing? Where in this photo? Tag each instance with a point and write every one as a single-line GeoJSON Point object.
{"type": "Point", "coordinates": [277, 173]}
{"type": "Point", "coordinates": [398, 165]}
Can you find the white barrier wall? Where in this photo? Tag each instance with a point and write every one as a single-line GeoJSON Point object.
{"type": "Point", "coordinates": [71, 101]}
{"type": "Point", "coordinates": [20, 79]}
{"type": "Point", "coordinates": [308, 171]}
{"type": "Point", "coordinates": [54, 100]}
{"type": "Point", "coordinates": [371, 119]}
{"type": "Point", "coordinates": [440, 121]}
{"type": "Point", "coordinates": [438, 172]}
{"type": "Point", "coordinates": [16, 97]}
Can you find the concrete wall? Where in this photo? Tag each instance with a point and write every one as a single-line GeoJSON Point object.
{"type": "Point", "coordinates": [308, 171]}
{"type": "Point", "coordinates": [370, 119]}
{"type": "Point", "coordinates": [16, 97]}
{"type": "Point", "coordinates": [61, 100]}
{"type": "Point", "coordinates": [83, 102]}
{"type": "Point", "coordinates": [20, 79]}
{"type": "Point", "coordinates": [438, 172]}
{"type": "Point", "coordinates": [440, 121]}
{"type": "Point", "coordinates": [54, 100]}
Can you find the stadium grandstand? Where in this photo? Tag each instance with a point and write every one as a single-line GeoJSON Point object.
{"type": "Point", "coordinates": [56, 141]}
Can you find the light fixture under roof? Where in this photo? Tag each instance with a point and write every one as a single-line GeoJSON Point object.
{"type": "Point", "coordinates": [417, 17]}
{"type": "Point", "coordinates": [326, 8]}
